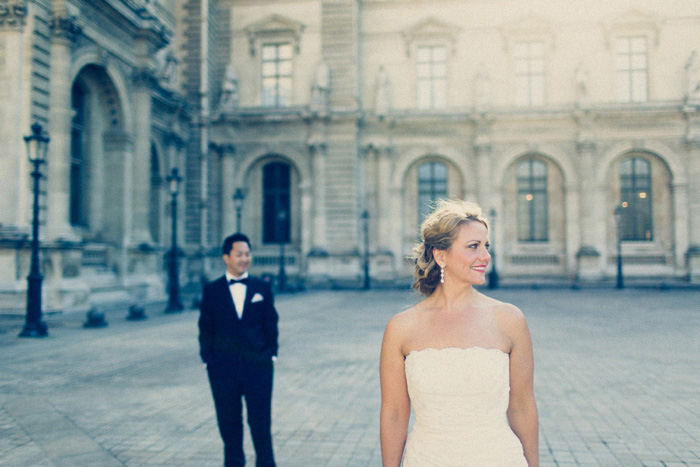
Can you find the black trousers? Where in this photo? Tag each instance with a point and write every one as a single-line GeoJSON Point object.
{"type": "Point", "coordinates": [230, 382]}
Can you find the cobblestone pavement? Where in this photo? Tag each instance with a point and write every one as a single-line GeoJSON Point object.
{"type": "Point", "coordinates": [617, 382]}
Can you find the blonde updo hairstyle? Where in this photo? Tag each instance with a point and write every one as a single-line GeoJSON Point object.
{"type": "Point", "coordinates": [438, 232]}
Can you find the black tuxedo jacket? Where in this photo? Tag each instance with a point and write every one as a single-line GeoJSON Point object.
{"type": "Point", "coordinates": [224, 337]}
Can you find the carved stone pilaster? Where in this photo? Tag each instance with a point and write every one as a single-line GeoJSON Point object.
{"type": "Point", "coordinates": [13, 14]}
{"type": "Point", "coordinates": [65, 27]}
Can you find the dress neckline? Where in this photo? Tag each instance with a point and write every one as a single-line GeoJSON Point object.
{"type": "Point", "coordinates": [466, 349]}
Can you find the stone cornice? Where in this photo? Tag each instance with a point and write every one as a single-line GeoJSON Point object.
{"type": "Point", "coordinates": [12, 15]}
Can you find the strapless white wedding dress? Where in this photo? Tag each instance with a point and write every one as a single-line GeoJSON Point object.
{"type": "Point", "coordinates": [460, 397]}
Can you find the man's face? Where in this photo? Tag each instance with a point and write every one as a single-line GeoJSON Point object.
{"type": "Point", "coordinates": [239, 259]}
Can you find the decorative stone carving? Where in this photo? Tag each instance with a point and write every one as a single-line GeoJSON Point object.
{"type": "Point", "coordinates": [228, 101]}
{"type": "Point", "coordinates": [12, 14]}
{"type": "Point", "coordinates": [581, 85]}
{"type": "Point", "coordinates": [382, 101]}
{"type": "Point", "coordinates": [166, 67]}
{"type": "Point", "coordinates": [320, 88]}
{"type": "Point", "coordinates": [692, 74]}
{"type": "Point", "coordinates": [144, 77]}
{"type": "Point", "coordinates": [482, 89]}
{"type": "Point", "coordinates": [65, 27]}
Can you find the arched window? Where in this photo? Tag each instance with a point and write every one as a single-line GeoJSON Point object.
{"type": "Point", "coordinates": [78, 179]}
{"type": "Point", "coordinates": [635, 198]}
{"type": "Point", "coordinates": [531, 207]}
{"type": "Point", "coordinates": [154, 197]}
{"type": "Point", "coordinates": [276, 203]}
{"type": "Point", "coordinates": [432, 185]}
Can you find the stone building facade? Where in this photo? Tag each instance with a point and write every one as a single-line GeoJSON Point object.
{"type": "Point", "coordinates": [101, 78]}
{"type": "Point", "coordinates": [341, 120]}
{"type": "Point", "coordinates": [546, 114]}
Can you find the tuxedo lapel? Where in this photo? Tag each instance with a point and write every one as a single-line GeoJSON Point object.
{"type": "Point", "coordinates": [227, 298]}
{"type": "Point", "coordinates": [249, 292]}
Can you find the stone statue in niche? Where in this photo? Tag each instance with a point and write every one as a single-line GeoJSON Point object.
{"type": "Point", "coordinates": [692, 73]}
{"type": "Point", "coordinates": [382, 100]}
{"type": "Point", "coordinates": [581, 85]}
{"type": "Point", "coordinates": [166, 67]}
{"type": "Point", "coordinates": [320, 88]}
{"type": "Point", "coordinates": [482, 89]}
{"type": "Point", "coordinates": [228, 101]}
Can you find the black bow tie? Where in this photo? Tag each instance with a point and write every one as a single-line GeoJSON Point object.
{"type": "Point", "coordinates": [243, 281]}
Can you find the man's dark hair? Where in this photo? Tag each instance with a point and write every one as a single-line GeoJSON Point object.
{"type": "Point", "coordinates": [231, 239]}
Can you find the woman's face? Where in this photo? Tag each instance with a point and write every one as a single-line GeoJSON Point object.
{"type": "Point", "coordinates": [467, 258]}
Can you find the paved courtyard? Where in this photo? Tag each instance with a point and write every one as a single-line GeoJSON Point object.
{"type": "Point", "coordinates": [617, 378]}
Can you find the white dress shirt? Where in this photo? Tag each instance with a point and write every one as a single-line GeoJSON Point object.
{"type": "Point", "coordinates": [237, 292]}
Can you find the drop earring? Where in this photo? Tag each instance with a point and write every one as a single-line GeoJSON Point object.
{"type": "Point", "coordinates": [442, 274]}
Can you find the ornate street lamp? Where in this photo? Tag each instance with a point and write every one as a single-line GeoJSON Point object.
{"type": "Point", "coordinates": [493, 274]}
{"type": "Point", "coordinates": [282, 275]}
{"type": "Point", "coordinates": [365, 222]}
{"type": "Point", "coordinates": [174, 303]}
{"type": "Point", "coordinates": [238, 198]}
{"type": "Point", "coordinates": [618, 221]}
{"type": "Point", "coordinates": [37, 144]}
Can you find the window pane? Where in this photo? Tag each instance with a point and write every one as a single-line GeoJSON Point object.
{"type": "Point", "coordinates": [423, 54]}
{"type": "Point", "coordinates": [285, 51]}
{"type": "Point", "coordinates": [269, 52]}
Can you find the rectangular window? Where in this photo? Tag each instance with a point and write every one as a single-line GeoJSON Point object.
{"type": "Point", "coordinates": [631, 69]}
{"type": "Point", "coordinates": [276, 75]}
{"type": "Point", "coordinates": [529, 74]}
{"type": "Point", "coordinates": [431, 72]}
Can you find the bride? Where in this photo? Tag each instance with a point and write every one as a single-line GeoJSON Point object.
{"type": "Point", "coordinates": [461, 359]}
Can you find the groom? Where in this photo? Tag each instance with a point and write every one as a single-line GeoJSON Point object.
{"type": "Point", "coordinates": [238, 344]}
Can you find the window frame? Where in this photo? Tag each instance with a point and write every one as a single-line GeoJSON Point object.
{"type": "Point", "coordinates": [279, 99]}
{"type": "Point", "coordinates": [433, 186]}
{"type": "Point", "coordinates": [640, 187]}
{"type": "Point", "coordinates": [437, 72]}
{"type": "Point", "coordinates": [628, 70]}
{"type": "Point", "coordinates": [536, 187]}
{"type": "Point", "coordinates": [534, 67]}
{"type": "Point", "coordinates": [275, 194]}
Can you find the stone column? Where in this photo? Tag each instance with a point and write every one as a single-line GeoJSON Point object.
{"type": "Point", "coordinates": [396, 240]}
{"type": "Point", "coordinates": [693, 200]}
{"type": "Point", "coordinates": [593, 215]}
{"type": "Point", "coordinates": [64, 30]}
{"type": "Point", "coordinates": [15, 73]}
{"type": "Point", "coordinates": [118, 151]}
{"type": "Point", "coordinates": [573, 234]}
{"type": "Point", "coordinates": [142, 81]}
{"type": "Point", "coordinates": [385, 223]}
{"type": "Point", "coordinates": [484, 161]}
{"type": "Point", "coordinates": [318, 216]}
{"type": "Point", "coordinates": [680, 223]}
{"type": "Point", "coordinates": [228, 188]}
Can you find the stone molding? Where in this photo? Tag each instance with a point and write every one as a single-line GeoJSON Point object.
{"type": "Point", "coordinates": [65, 27]}
{"type": "Point", "coordinates": [274, 26]}
{"type": "Point", "coordinates": [144, 77]}
{"type": "Point", "coordinates": [12, 15]}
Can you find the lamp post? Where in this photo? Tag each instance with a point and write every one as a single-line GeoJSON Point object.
{"type": "Point", "coordinates": [37, 144]}
{"type": "Point", "coordinates": [282, 275]}
{"type": "Point", "coordinates": [365, 222]}
{"type": "Point", "coordinates": [174, 303]}
{"type": "Point", "coordinates": [618, 221]}
{"type": "Point", "coordinates": [493, 274]}
{"type": "Point", "coordinates": [238, 198]}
